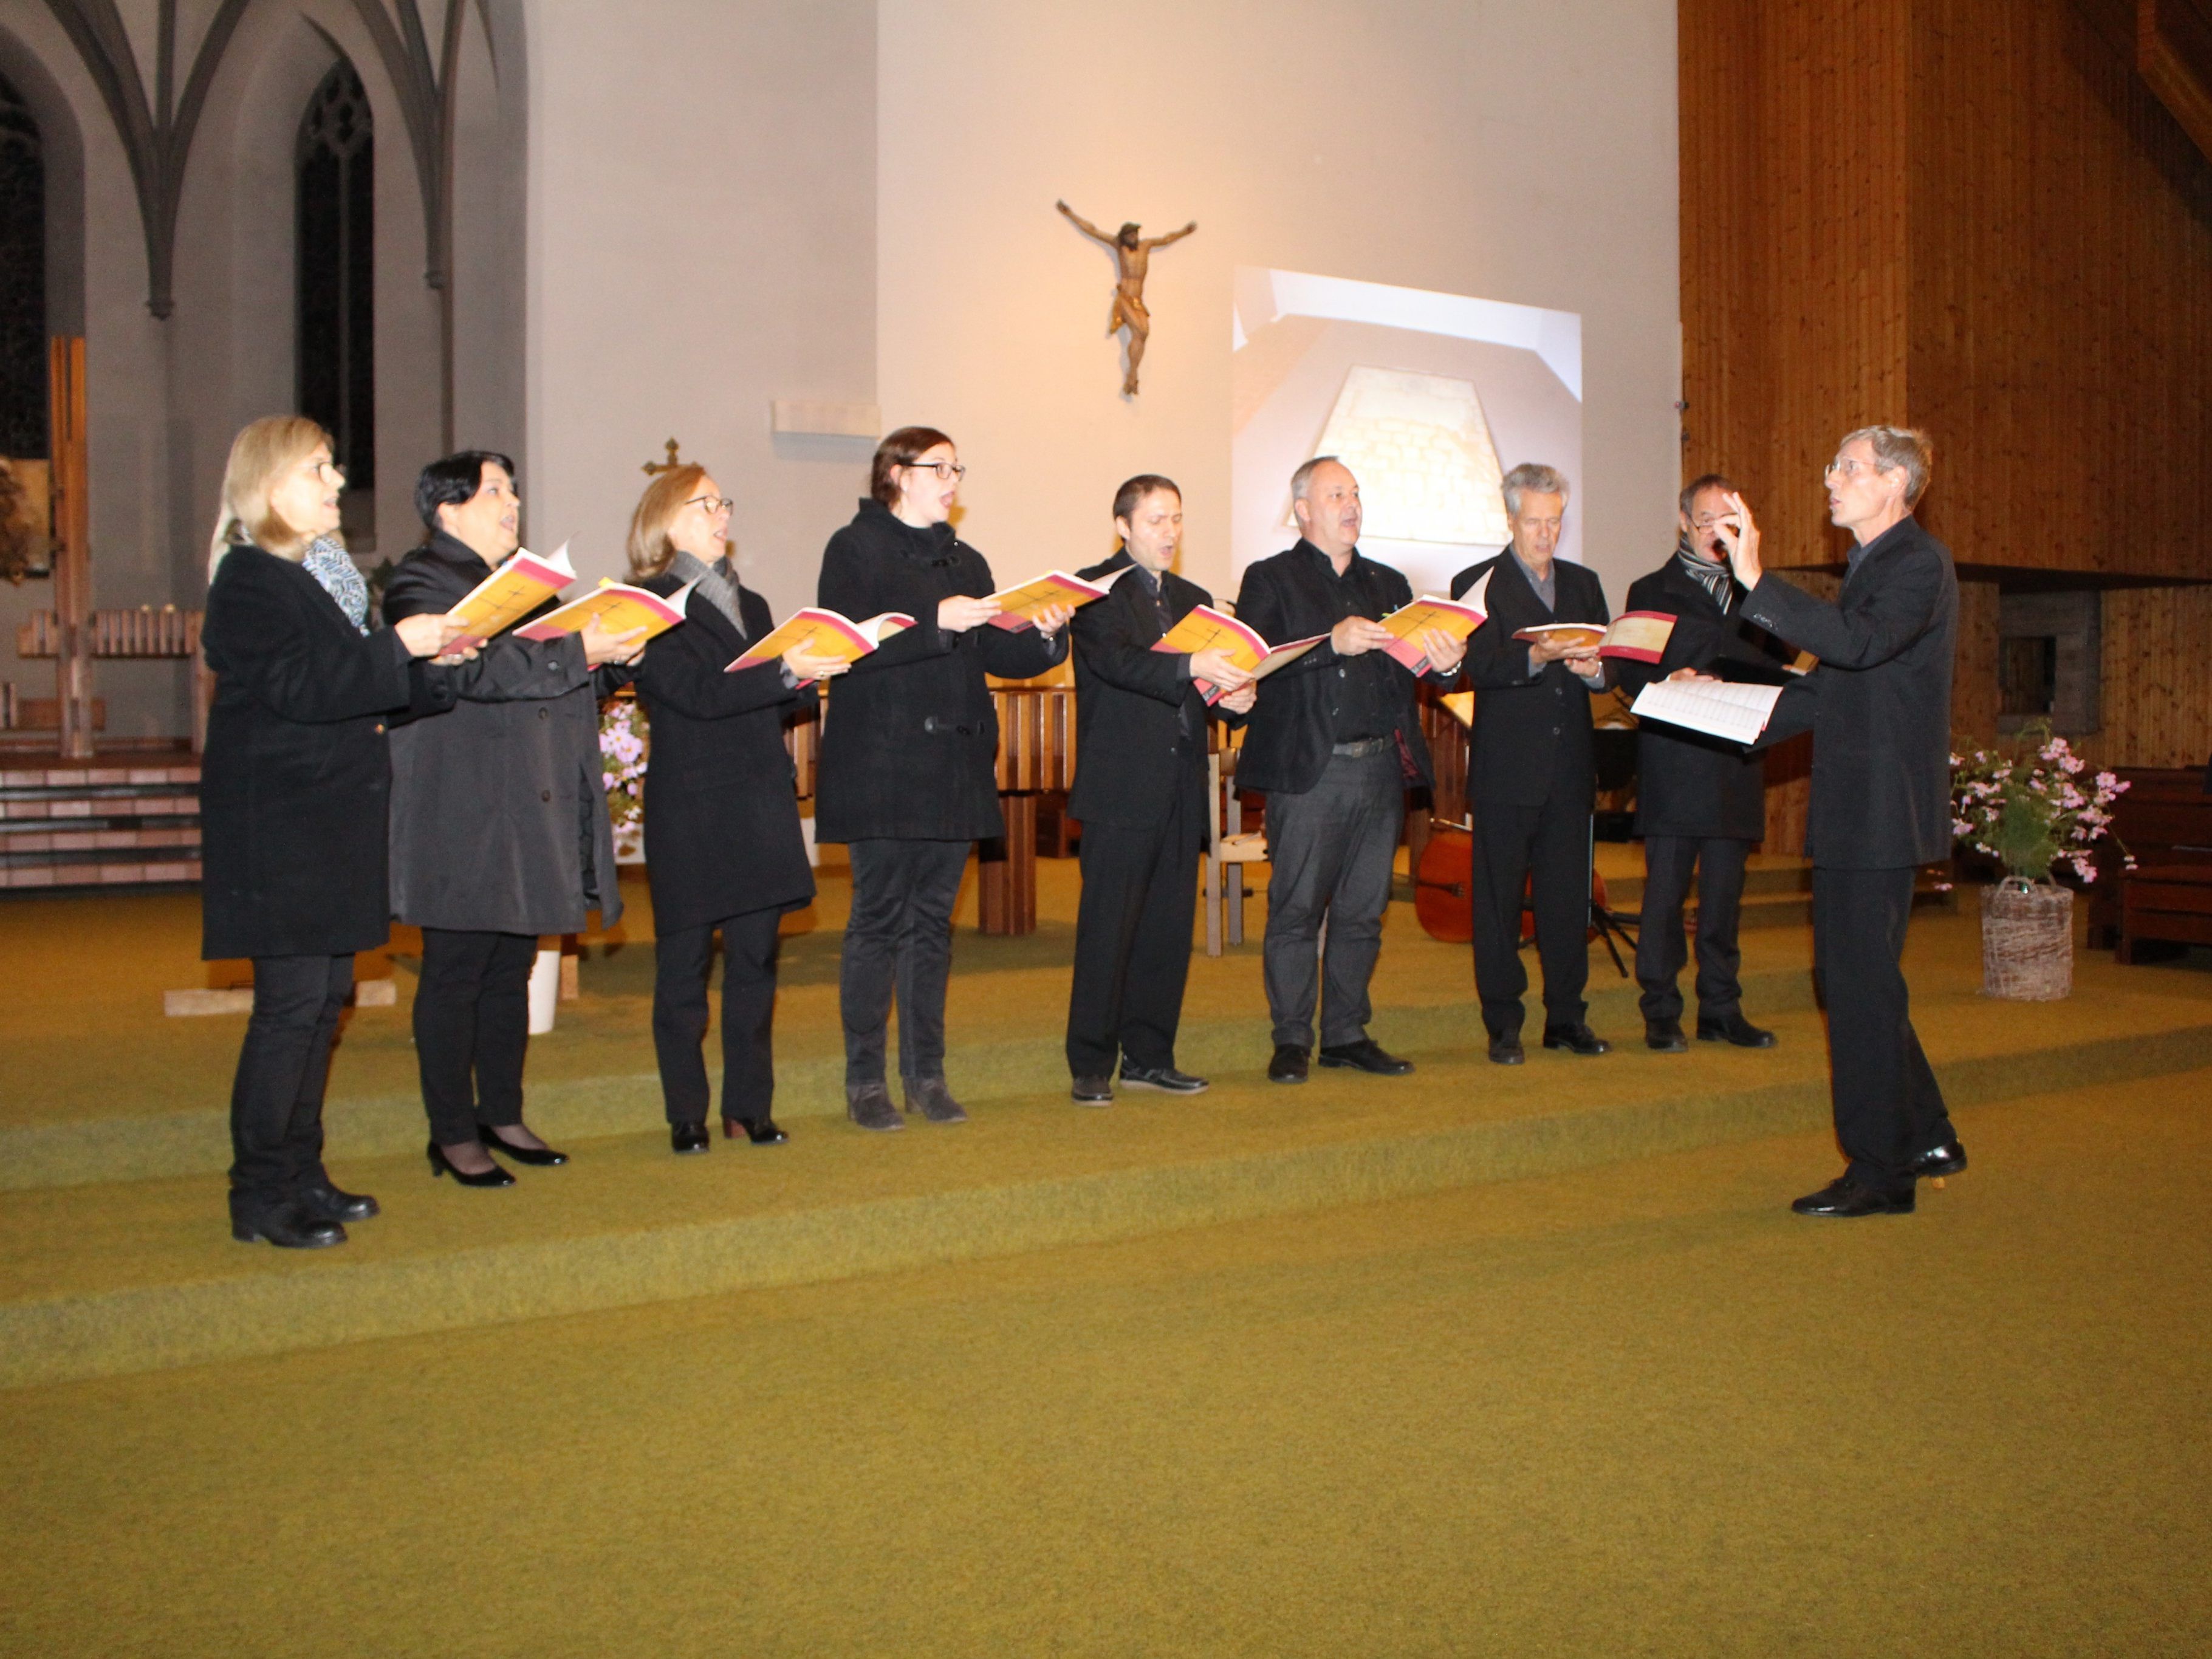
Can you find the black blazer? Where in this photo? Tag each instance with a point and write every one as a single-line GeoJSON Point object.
{"type": "Point", "coordinates": [1293, 596]}
{"type": "Point", "coordinates": [910, 736]}
{"type": "Point", "coordinates": [298, 770]}
{"type": "Point", "coordinates": [1878, 705]}
{"type": "Point", "coordinates": [1131, 759]}
{"type": "Point", "coordinates": [1531, 742]}
{"type": "Point", "coordinates": [1687, 783]}
{"type": "Point", "coordinates": [721, 821]}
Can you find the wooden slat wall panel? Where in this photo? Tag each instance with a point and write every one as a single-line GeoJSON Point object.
{"type": "Point", "coordinates": [1974, 692]}
{"type": "Point", "coordinates": [2157, 678]}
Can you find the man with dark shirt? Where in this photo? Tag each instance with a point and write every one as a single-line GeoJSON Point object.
{"type": "Point", "coordinates": [1334, 742]}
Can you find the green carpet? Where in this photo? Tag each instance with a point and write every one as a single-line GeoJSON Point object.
{"type": "Point", "coordinates": [1638, 1409]}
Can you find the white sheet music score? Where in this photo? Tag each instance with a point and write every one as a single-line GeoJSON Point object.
{"type": "Point", "coordinates": [1738, 712]}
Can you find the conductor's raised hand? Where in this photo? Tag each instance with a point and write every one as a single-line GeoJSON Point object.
{"type": "Point", "coordinates": [958, 613]}
{"type": "Point", "coordinates": [1214, 667]}
{"type": "Point", "coordinates": [602, 647]}
{"type": "Point", "coordinates": [806, 665]}
{"type": "Point", "coordinates": [1739, 533]}
{"type": "Point", "coordinates": [1355, 636]}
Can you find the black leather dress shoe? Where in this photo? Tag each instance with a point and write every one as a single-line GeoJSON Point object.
{"type": "Point", "coordinates": [1508, 1051]}
{"type": "Point", "coordinates": [1576, 1040]}
{"type": "Point", "coordinates": [1289, 1065]}
{"type": "Point", "coordinates": [1165, 1078]}
{"type": "Point", "coordinates": [1845, 1198]}
{"type": "Point", "coordinates": [289, 1227]}
{"type": "Point", "coordinates": [1366, 1055]}
{"type": "Point", "coordinates": [1092, 1091]}
{"type": "Point", "coordinates": [324, 1202]}
{"type": "Point", "coordinates": [869, 1105]}
{"type": "Point", "coordinates": [760, 1131]}
{"type": "Point", "coordinates": [1949, 1159]}
{"type": "Point", "coordinates": [1666, 1035]}
{"type": "Point", "coordinates": [441, 1165]}
{"type": "Point", "coordinates": [688, 1138]}
{"type": "Point", "coordinates": [929, 1097]}
{"type": "Point", "coordinates": [544, 1158]}
{"type": "Point", "coordinates": [1733, 1029]}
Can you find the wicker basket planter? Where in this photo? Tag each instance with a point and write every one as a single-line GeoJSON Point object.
{"type": "Point", "coordinates": [2028, 940]}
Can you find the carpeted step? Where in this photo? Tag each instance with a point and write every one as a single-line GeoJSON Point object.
{"type": "Point", "coordinates": [133, 1276]}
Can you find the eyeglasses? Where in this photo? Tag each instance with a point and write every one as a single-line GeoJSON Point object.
{"type": "Point", "coordinates": [946, 471]}
{"type": "Point", "coordinates": [1709, 521]}
{"type": "Point", "coordinates": [332, 468]}
{"type": "Point", "coordinates": [713, 504]}
{"type": "Point", "coordinates": [1850, 466]}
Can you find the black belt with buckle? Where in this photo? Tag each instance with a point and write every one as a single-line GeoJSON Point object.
{"type": "Point", "coordinates": [1362, 748]}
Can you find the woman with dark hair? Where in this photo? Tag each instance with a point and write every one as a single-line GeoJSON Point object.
{"type": "Point", "coordinates": [910, 746]}
{"type": "Point", "coordinates": [723, 851]}
{"type": "Point", "coordinates": [292, 806]}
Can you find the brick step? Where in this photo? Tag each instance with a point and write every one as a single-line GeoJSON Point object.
{"type": "Point", "coordinates": [121, 824]}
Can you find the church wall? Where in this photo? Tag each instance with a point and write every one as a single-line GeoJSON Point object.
{"type": "Point", "coordinates": [1520, 153]}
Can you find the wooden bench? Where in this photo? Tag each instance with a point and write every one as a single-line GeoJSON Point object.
{"type": "Point", "coordinates": [2164, 904]}
{"type": "Point", "coordinates": [2164, 822]}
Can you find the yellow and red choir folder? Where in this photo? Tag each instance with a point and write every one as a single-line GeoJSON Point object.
{"type": "Point", "coordinates": [619, 608]}
{"type": "Point", "coordinates": [1020, 606]}
{"type": "Point", "coordinates": [823, 633]}
{"type": "Point", "coordinates": [1206, 629]}
{"type": "Point", "coordinates": [1458, 617]}
{"type": "Point", "coordinates": [1460, 705]}
{"type": "Point", "coordinates": [1639, 635]}
{"type": "Point", "coordinates": [510, 593]}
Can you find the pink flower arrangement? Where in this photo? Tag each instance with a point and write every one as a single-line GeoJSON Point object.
{"type": "Point", "coordinates": [2026, 808]}
{"type": "Point", "coordinates": [625, 746]}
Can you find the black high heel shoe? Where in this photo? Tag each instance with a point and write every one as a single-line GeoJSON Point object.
{"type": "Point", "coordinates": [439, 1165]}
{"type": "Point", "coordinates": [544, 1156]}
{"type": "Point", "coordinates": [761, 1130]}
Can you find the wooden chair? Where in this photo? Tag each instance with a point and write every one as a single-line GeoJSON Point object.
{"type": "Point", "coordinates": [1228, 847]}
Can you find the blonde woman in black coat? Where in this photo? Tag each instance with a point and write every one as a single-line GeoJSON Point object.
{"type": "Point", "coordinates": [292, 807]}
{"type": "Point", "coordinates": [723, 850]}
{"type": "Point", "coordinates": [910, 747]}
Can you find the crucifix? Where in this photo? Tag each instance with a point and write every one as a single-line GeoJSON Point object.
{"type": "Point", "coordinates": [654, 469]}
{"type": "Point", "coordinates": [1133, 259]}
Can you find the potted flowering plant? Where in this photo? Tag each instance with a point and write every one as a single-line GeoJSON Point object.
{"type": "Point", "coordinates": [2028, 808]}
{"type": "Point", "coordinates": [624, 747]}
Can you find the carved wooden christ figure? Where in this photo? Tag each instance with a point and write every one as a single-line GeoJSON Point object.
{"type": "Point", "coordinates": [1132, 258]}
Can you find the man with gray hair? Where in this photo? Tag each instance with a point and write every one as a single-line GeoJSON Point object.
{"type": "Point", "coordinates": [1335, 742]}
{"type": "Point", "coordinates": [1879, 708]}
{"type": "Point", "coordinates": [1532, 771]}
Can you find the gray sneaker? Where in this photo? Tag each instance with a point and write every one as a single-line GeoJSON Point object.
{"type": "Point", "coordinates": [929, 1097]}
{"type": "Point", "coordinates": [869, 1105]}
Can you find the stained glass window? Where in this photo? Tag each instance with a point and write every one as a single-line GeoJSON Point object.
{"type": "Point", "coordinates": [336, 344]}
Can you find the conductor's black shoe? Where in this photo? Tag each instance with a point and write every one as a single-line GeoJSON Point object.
{"type": "Point", "coordinates": [1576, 1039]}
{"type": "Point", "coordinates": [324, 1202]}
{"type": "Point", "coordinates": [687, 1138]}
{"type": "Point", "coordinates": [1949, 1159]}
{"type": "Point", "coordinates": [1666, 1035]}
{"type": "Point", "coordinates": [1289, 1065]}
{"type": "Point", "coordinates": [1735, 1029]}
{"type": "Point", "coordinates": [929, 1097]}
{"type": "Point", "coordinates": [544, 1158]}
{"type": "Point", "coordinates": [289, 1227]}
{"type": "Point", "coordinates": [1367, 1055]}
{"type": "Point", "coordinates": [1164, 1078]}
{"type": "Point", "coordinates": [760, 1131]}
{"type": "Point", "coordinates": [1092, 1091]}
{"type": "Point", "coordinates": [869, 1105]}
{"type": "Point", "coordinates": [1508, 1051]}
{"type": "Point", "coordinates": [1845, 1198]}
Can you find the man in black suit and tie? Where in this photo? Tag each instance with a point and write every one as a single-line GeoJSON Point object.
{"type": "Point", "coordinates": [1700, 802]}
{"type": "Point", "coordinates": [1879, 707]}
{"type": "Point", "coordinates": [1335, 742]}
{"type": "Point", "coordinates": [1532, 773]}
{"type": "Point", "coordinates": [1139, 793]}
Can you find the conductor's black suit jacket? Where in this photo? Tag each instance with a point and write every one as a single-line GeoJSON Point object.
{"type": "Point", "coordinates": [1878, 705]}
{"type": "Point", "coordinates": [1532, 731]}
{"type": "Point", "coordinates": [1139, 721]}
{"type": "Point", "coordinates": [1688, 784]}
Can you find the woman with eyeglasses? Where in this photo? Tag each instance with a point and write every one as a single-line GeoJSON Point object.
{"type": "Point", "coordinates": [908, 774]}
{"type": "Point", "coordinates": [292, 791]}
{"type": "Point", "coordinates": [723, 851]}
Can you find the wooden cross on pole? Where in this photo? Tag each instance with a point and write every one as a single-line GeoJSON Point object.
{"type": "Point", "coordinates": [654, 469]}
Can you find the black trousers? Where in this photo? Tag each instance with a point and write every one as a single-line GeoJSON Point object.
{"type": "Point", "coordinates": [680, 963]}
{"type": "Point", "coordinates": [898, 944]}
{"type": "Point", "coordinates": [1888, 1108]}
{"type": "Point", "coordinates": [1661, 947]}
{"type": "Point", "coordinates": [1133, 942]}
{"type": "Point", "coordinates": [1511, 844]}
{"type": "Point", "coordinates": [472, 1029]}
{"type": "Point", "coordinates": [276, 1098]}
{"type": "Point", "coordinates": [1330, 851]}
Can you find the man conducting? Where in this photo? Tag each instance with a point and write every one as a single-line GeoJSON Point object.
{"type": "Point", "coordinates": [1879, 707]}
{"type": "Point", "coordinates": [1700, 802]}
{"type": "Point", "coordinates": [1139, 793]}
{"type": "Point", "coordinates": [1334, 743]}
{"type": "Point", "coordinates": [1532, 771]}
